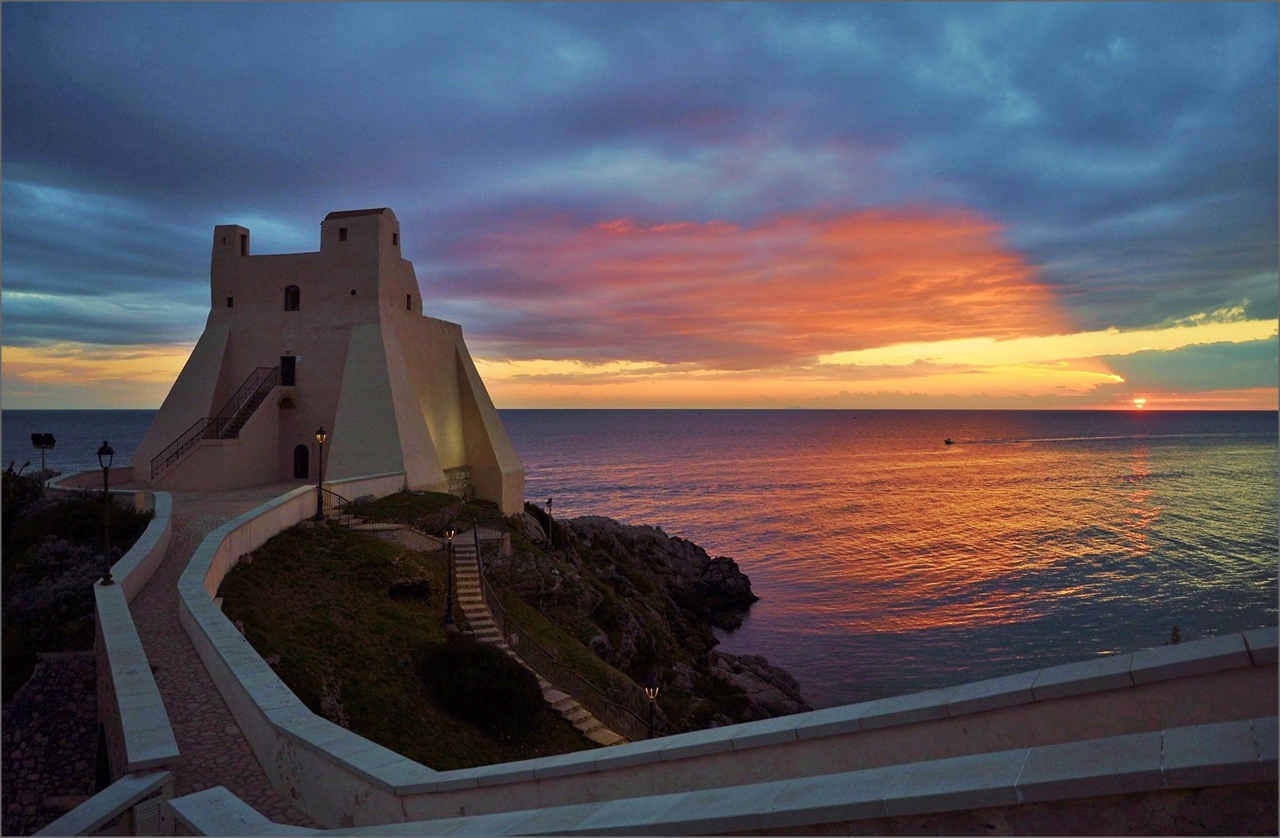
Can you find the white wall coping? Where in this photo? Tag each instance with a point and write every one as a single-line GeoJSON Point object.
{"type": "Point", "coordinates": [94, 813]}
{"type": "Point", "coordinates": [149, 741]}
{"type": "Point", "coordinates": [399, 775]}
{"type": "Point", "coordinates": [1219, 754]}
{"type": "Point", "coordinates": [216, 811]}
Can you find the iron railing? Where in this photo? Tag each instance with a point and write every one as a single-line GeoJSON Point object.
{"type": "Point", "coordinates": [613, 714]}
{"type": "Point", "coordinates": [336, 507]}
{"type": "Point", "coordinates": [224, 424]}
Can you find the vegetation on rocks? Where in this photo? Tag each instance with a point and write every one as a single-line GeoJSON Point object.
{"type": "Point", "coordinates": [645, 602]}
{"type": "Point", "coordinates": [52, 554]}
{"type": "Point", "coordinates": [628, 606]}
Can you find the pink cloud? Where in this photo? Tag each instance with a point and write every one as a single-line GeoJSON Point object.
{"type": "Point", "coordinates": [778, 292]}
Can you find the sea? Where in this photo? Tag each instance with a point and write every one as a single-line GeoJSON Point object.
{"type": "Point", "coordinates": [888, 561]}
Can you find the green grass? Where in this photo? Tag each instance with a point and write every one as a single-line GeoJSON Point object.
{"type": "Point", "coordinates": [563, 645]}
{"type": "Point", "coordinates": [428, 511]}
{"type": "Point", "coordinates": [317, 597]}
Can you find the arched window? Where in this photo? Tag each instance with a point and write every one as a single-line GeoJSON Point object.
{"type": "Point", "coordinates": [292, 298]}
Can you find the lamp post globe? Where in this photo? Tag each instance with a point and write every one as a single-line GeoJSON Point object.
{"type": "Point", "coordinates": [651, 693]}
{"type": "Point", "coordinates": [321, 436]}
{"type": "Point", "coordinates": [105, 455]}
{"type": "Point", "coordinates": [449, 533]}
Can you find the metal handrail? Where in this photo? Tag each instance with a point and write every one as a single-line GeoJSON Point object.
{"type": "Point", "coordinates": [617, 717]}
{"type": "Point", "coordinates": [214, 427]}
{"type": "Point", "coordinates": [261, 377]}
{"type": "Point", "coordinates": [337, 504]}
{"type": "Point", "coordinates": [174, 450]}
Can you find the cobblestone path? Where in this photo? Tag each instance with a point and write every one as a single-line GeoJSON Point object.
{"type": "Point", "coordinates": [213, 751]}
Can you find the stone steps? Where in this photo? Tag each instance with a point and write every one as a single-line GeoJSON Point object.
{"type": "Point", "coordinates": [469, 598]}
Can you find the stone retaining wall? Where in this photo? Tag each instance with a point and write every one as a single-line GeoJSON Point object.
{"type": "Point", "coordinates": [343, 780]}
{"type": "Point", "coordinates": [139, 736]}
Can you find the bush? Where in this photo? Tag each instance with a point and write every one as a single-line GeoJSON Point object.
{"type": "Point", "coordinates": [52, 592]}
{"type": "Point", "coordinates": [481, 685]}
{"type": "Point", "coordinates": [410, 588]}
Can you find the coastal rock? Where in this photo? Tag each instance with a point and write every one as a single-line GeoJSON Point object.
{"type": "Point", "coordinates": [660, 596]}
{"type": "Point", "coordinates": [771, 690]}
{"type": "Point", "coordinates": [721, 586]}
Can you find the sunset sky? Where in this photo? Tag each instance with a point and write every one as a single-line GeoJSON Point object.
{"type": "Point", "coordinates": [669, 205]}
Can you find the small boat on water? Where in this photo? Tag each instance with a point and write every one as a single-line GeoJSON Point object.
{"type": "Point", "coordinates": [948, 441]}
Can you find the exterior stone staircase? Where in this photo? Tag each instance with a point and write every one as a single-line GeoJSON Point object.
{"type": "Point", "coordinates": [469, 599]}
{"type": "Point", "coordinates": [232, 429]}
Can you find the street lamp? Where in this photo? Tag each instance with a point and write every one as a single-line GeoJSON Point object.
{"type": "Point", "coordinates": [651, 693]}
{"type": "Point", "coordinates": [551, 537]}
{"type": "Point", "coordinates": [105, 454]}
{"type": "Point", "coordinates": [43, 442]}
{"type": "Point", "coordinates": [448, 608]}
{"type": "Point", "coordinates": [321, 436]}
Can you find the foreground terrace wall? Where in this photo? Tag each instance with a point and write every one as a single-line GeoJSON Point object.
{"type": "Point", "coordinates": [139, 736]}
{"type": "Point", "coordinates": [1217, 779]}
{"type": "Point", "coordinates": [343, 780]}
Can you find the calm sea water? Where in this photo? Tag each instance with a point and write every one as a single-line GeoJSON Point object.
{"type": "Point", "coordinates": [889, 562]}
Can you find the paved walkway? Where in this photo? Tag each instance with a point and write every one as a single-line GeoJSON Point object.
{"type": "Point", "coordinates": [213, 751]}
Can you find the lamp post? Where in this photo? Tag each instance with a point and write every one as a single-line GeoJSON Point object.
{"type": "Point", "coordinates": [551, 536]}
{"type": "Point", "coordinates": [651, 693]}
{"type": "Point", "coordinates": [448, 608]}
{"type": "Point", "coordinates": [43, 442]}
{"type": "Point", "coordinates": [105, 454]}
{"type": "Point", "coordinates": [321, 436]}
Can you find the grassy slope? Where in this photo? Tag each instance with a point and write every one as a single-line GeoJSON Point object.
{"type": "Point", "coordinates": [317, 597]}
{"type": "Point", "coordinates": [431, 511]}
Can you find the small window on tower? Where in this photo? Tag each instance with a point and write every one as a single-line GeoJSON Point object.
{"type": "Point", "coordinates": [395, 239]}
{"type": "Point", "coordinates": [231, 302]}
{"type": "Point", "coordinates": [408, 302]}
{"type": "Point", "coordinates": [244, 245]}
{"type": "Point", "coordinates": [224, 239]}
{"type": "Point", "coordinates": [342, 234]}
{"type": "Point", "coordinates": [292, 298]}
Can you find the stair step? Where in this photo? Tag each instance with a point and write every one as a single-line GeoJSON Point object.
{"type": "Point", "coordinates": [589, 724]}
{"type": "Point", "coordinates": [605, 737]}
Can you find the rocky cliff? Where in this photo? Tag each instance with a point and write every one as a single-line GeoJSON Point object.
{"type": "Point", "coordinates": [645, 602]}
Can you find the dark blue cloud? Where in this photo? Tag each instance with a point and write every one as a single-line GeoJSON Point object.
{"type": "Point", "coordinates": [1215, 366]}
{"type": "Point", "coordinates": [1128, 149]}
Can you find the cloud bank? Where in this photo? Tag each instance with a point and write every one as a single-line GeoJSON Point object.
{"type": "Point", "coordinates": [727, 190]}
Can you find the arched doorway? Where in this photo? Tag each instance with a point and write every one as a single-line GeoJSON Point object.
{"type": "Point", "coordinates": [301, 458]}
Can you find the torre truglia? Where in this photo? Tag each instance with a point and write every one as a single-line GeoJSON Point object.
{"type": "Point", "coordinates": [335, 340]}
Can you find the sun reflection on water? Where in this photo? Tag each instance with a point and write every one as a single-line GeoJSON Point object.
{"type": "Point", "coordinates": [887, 561]}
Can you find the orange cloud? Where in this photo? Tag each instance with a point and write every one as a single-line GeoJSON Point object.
{"type": "Point", "coordinates": [784, 291]}
{"type": "Point", "coordinates": [83, 375]}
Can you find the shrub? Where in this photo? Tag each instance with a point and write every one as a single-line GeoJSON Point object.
{"type": "Point", "coordinates": [52, 592]}
{"type": "Point", "coordinates": [481, 685]}
{"type": "Point", "coordinates": [410, 588]}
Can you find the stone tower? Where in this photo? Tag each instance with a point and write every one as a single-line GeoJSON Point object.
{"type": "Point", "coordinates": [333, 339]}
